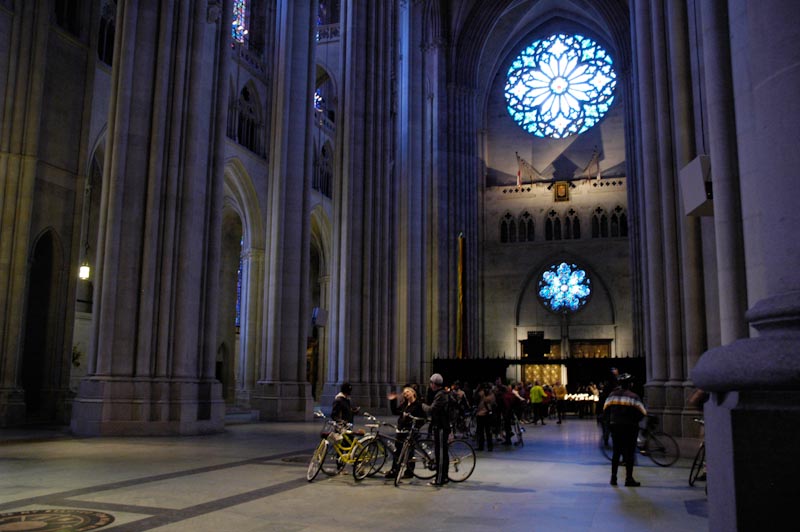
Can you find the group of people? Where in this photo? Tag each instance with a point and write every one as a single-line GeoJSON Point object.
{"type": "Point", "coordinates": [436, 407]}
{"type": "Point", "coordinates": [497, 404]}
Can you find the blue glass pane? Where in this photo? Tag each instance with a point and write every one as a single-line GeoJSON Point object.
{"type": "Point", "coordinates": [564, 288]}
{"type": "Point", "coordinates": [560, 86]}
{"type": "Point", "coordinates": [239, 23]}
{"type": "Point", "coordinates": [238, 318]}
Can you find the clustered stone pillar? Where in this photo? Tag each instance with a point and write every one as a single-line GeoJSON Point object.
{"type": "Point", "coordinates": [282, 390]}
{"type": "Point", "coordinates": [151, 367]}
{"type": "Point", "coordinates": [753, 414]}
{"type": "Point", "coordinates": [19, 147]}
{"type": "Point", "coordinates": [363, 294]}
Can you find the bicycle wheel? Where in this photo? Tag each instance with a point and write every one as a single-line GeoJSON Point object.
{"type": "Point", "coordinates": [698, 465]}
{"type": "Point", "coordinates": [471, 426]}
{"type": "Point", "coordinates": [519, 429]}
{"type": "Point", "coordinates": [332, 464]}
{"type": "Point", "coordinates": [424, 459]}
{"type": "Point", "coordinates": [462, 460]}
{"type": "Point", "coordinates": [662, 449]}
{"type": "Point", "coordinates": [369, 460]}
{"type": "Point", "coordinates": [317, 459]}
{"type": "Point", "coordinates": [402, 462]}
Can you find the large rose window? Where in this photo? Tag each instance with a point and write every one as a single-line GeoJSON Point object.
{"type": "Point", "coordinates": [560, 86]}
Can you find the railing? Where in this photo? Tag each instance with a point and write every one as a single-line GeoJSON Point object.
{"type": "Point", "coordinates": [328, 33]}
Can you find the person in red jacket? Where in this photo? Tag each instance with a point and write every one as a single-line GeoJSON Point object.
{"type": "Point", "coordinates": [622, 411]}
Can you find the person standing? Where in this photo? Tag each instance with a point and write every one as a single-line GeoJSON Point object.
{"type": "Point", "coordinates": [537, 402]}
{"type": "Point", "coordinates": [486, 406]}
{"type": "Point", "coordinates": [560, 392]}
{"type": "Point", "coordinates": [439, 411]}
{"type": "Point", "coordinates": [410, 407]}
{"type": "Point", "coordinates": [622, 412]}
{"type": "Point", "coordinates": [342, 410]}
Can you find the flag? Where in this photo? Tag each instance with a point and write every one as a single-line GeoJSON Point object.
{"type": "Point", "coordinates": [519, 177]}
{"type": "Point", "coordinates": [593, 166]}
{"type": "Point", "coordinates": [461, 329]}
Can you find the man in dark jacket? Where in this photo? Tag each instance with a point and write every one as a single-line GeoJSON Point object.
{"type": "Point", "coordinates": [622, 411]}
{"type": "Point", "coordinates": [440, 424]}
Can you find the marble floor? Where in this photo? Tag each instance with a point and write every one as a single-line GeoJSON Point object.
{"type": "Point", "coordinates": [252, 478]}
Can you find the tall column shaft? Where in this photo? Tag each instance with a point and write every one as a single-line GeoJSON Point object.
{"type": "Point", "coordinates": [655, 328]}
{"type": "Point", "coordinates": [152, 359]}
{"type": "Point", "coordinates": [19, 146]}
{"type": "Point", "coordinates": [283, 389]}
{"type": "Point", "coordinates": [722, 153]}
{"type": "Point", "coordinates": [365, 210]}
{"type": "Point", "coordinates": [756, 381]}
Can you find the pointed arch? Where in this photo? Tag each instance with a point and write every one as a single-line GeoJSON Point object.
{"type": "Point", "coordinates": [245, 283]}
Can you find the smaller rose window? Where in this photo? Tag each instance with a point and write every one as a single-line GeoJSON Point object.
{"type": "Point", "coordinates": [564, 288]}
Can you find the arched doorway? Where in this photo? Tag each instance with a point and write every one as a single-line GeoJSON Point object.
{"type": "Point", "coordinates": [39, 374]}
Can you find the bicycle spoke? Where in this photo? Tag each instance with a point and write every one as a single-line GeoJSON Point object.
{"type": "Point", "coordinates": [424, 458]}
{"type": "Point", "coordinates": [662, 449]}
{"type": "Point", "coordinates": [317, 459]}
{"type": "Point", "coordinates": [462, 460]}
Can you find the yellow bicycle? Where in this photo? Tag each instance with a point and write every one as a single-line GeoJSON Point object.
{"type": "Point", "coordinates": [338, 447]}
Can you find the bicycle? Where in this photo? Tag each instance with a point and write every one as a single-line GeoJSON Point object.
{"type": "Point", "coordinates": [421, 452]}
{"type": "Point", "coordinates": [338, 446]}
{"type": "Point", "coordinates": [698, 470]}
{"type": "Point", "coordinates": [518, 430]}
{"type": "Point", "coordinates": [371, 458]}
{"type": "Point", "coordinates": [657, 445]}
{"type": "Point", "coordinates": [464, 424]}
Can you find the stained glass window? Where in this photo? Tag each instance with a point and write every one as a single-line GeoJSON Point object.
{"type": "Point", "coordinates": [564, 288]}
{"type": "Point", "coordinates": [238, 319]}
{"type": "Point", "coordinates": [560, 86]}
{"type": "Point", "coordinates": [239, 23]}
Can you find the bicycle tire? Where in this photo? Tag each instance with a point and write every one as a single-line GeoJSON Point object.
{"type": "Point", "coordinates": [462, 460]}
{"type": "Point", "coordinates": [332, 464]}
{"type": "Point", "coordinates": [315, 465]}
{"type": "Point", "coordinates": [519, 429]}
{"type": "Point", "coordinates": [662, 449]}
{"type": "Point", "coordinates": [697, 465]}
{"type": "Point", "coordinates": [471, 428]}
{"type": "Point", "coordinates": [369, 460]}
{"type": "Point", "coordinates": [424, 458]}
{"type": "Point", "coordinates": [402, 461]}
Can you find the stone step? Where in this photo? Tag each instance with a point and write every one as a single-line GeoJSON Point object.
{"type": "Point", "coordinates": [235, 416]}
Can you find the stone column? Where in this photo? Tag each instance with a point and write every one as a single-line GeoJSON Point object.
{"type": "Point", "coordinates": [751, 418]}
{"type": "Point", "coordinates": [151, 367]}
{"type": "Point", "coordinates": [19, 147]}
{"type": "Point", "coordinates": [282, 391]}
{"type": "Point", "coordinates": [365, 229]}
{"type": "Point", "coordinates": [650, 204]}
{"type": "Point", "coordinates": [250, 341]}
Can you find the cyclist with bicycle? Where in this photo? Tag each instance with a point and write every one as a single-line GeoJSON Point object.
{"type": "Point", "coordinates": [410, 407]}
{"type": "Point", "coordinates": [622, 412]}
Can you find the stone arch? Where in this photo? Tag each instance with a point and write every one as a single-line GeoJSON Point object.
{"type": "Point", "coordinates": [242, 263]}
{"type": "Point", "coordinates": [43, 366]}
{"type": "Point", "coordinates": [598, 317]}
{"type": "Point", "coordinates": [318, 349]}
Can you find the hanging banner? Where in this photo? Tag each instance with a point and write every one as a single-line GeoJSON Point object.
{"type": "Point", "coordinates": [461, 330]}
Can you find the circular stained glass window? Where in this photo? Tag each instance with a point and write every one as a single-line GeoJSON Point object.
{"type": "Point", "coordinates": [560, 86]}
{"type": "Point", "coordinates": [564, 288]}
